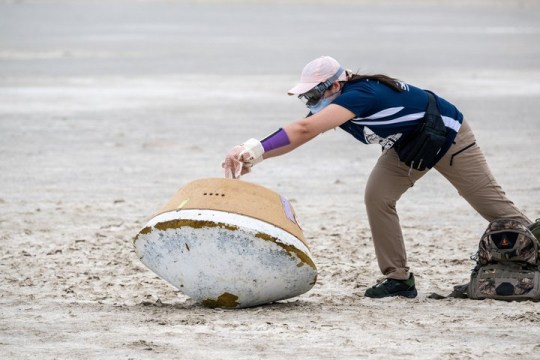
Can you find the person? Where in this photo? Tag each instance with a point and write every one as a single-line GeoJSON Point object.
{"type": "Point", "coordinates": [378, 109]}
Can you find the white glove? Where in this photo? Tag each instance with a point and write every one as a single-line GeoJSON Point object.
{"type": "Point", "coordinates": [252, 153]}
{"type": "Point", "coordinates": [241, 158]}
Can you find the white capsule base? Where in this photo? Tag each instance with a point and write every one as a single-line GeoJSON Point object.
{"type": "Point", "coordinates": [224, 259]}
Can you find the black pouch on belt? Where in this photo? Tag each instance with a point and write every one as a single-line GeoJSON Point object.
{"type": "Point", "coordinates": [421, 148]}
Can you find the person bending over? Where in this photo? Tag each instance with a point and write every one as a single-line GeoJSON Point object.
{"type": "Point", "coordinates": [417, 130]}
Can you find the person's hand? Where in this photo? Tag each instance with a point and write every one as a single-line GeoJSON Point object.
{"type": "Point", "coordinates": [233, 166]}
{"type": "Point", "coordinates": [241, 158]}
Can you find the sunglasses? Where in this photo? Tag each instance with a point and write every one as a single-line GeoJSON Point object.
{"type": "Point", "coordinates": [314, 95]}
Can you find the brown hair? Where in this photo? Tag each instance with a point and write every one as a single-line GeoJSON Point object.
{"type": "Point", "coordinates": [394, 84]}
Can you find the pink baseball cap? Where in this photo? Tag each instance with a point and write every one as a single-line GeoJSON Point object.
{"type": "Point", "coordinates": [316, 72]}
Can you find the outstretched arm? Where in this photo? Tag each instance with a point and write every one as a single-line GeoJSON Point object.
{"type": "Point", "coordinates": [303, 130]}
{"type": "Point", "coordinates": [242, 157]}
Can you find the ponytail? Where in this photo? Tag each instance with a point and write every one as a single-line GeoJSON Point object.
{"type": "Point", "coordinates": [394, 84]}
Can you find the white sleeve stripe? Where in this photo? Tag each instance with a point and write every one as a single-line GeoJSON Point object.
{"type": "Point", "coordinates": [451, 123]}
{"type": "Point", "coordinates": [405, 118]}
{"type": "Point", "coordinates": [385, 113]}
{"type": "Point", "coordinates": [448, 121]}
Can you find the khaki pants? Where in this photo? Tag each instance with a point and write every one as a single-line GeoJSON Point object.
{"type": "Point", "coordinates": [464, 165]}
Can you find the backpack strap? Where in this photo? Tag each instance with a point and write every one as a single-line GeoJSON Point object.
{"type": "Point", "coordinates": [459, 292]}
{"type": "Point", "coordinates": [535, 228]}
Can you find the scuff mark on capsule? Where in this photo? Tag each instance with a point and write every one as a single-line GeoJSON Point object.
{"type": "Point", "coordinates": [225, 300]}
{"type": "Point", "coordinates": [305, 259]}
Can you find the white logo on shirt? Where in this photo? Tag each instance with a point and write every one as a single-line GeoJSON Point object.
{"type": "Point", "coordinates": [403, 85]}
{"type": "Point", "coordinates": [386, 143]}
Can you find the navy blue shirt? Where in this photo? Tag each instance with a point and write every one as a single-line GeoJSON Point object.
{"type": "Point", "coordinates": [384, 116]}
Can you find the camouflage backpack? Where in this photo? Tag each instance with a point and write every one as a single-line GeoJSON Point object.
{"type": "Point", "coordinates": [507, 262]}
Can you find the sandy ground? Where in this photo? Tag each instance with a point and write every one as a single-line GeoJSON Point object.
{"type": "Point", "coordinates": [107, 108]}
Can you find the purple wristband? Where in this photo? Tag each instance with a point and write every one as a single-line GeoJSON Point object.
{"type": "Point", "coordinates": [275, 140]}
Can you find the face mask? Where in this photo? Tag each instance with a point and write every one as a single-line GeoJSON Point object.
{"type": "Point", "coordinates": [324, 102]}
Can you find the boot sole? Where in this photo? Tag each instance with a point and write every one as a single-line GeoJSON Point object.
{"type": "Point", "coordinates": [407, 293]}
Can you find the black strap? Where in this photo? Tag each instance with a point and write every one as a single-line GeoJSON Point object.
{"type": "Point", "coordinates": [459, 292]}
{"type": "Point", "coordinates": [431, 109]}
{"type": "Point", "coordinates": [432, 105]}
